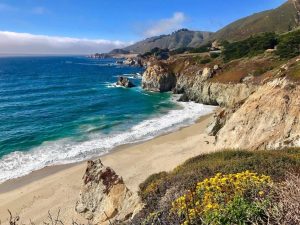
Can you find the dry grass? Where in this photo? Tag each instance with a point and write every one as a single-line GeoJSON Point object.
{"type": "Point", "coordinates": [52, 219]}
{"type": "Point", "coordinates": [235, 71]}
{"type": "Point", "coordinates": [287, 209]}
{"type": "Point", "coordinates": [294, 72]}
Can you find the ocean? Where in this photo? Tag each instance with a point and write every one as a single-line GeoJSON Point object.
{"type": "Point", "coordinates": [59, 110]}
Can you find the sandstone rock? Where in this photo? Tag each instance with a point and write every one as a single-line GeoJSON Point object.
{"type": "Point", "coordinates": [218, 121]}
{"type": "Point", "coordinates": [104, 198]}
{"type": "Point", "coordinates": [216, 67]}
{"type": "Point", "coordinates": [216, 45]}
{"type": "Point", "coordinates": [269, 119]}
{"type": "Point", "coordinates": [195, 88]}
{"type": "Point", "coordinates": [133, 62]}
{"type": "Point", "coordinates": [207, 73]}
{"type": "Point", "coordinates": [128, 61]}
{"type": "Point", "coordinates": [158, 78]}
{"type": "Point", "coordinates": [125, 82]}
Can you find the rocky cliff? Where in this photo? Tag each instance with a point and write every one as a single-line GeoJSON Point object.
{"type": "Point", "coordinates": [259, 112]}
{"type": "Point", "coordinates": [158, 77]}
{"type": "Point", "coordinates": [213, 93]}
{"type": "Point", "coordinates": [104, 198]}
{"type": "Point", "coordinates": [196, 85]}
{"type": "Point", "coordinates": [269, 119]}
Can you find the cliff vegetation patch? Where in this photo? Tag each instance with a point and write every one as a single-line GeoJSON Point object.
{"type": "Point", "coordinates": [211, 179]}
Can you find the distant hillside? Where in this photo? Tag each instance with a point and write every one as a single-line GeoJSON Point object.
{"type": "Point", "coordinates": [178, 39]}
{"type": "Point", "coordinates": [118, 51]}
{"type": "Point", "coordinates": [281, 19]}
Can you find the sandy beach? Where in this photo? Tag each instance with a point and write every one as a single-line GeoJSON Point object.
{"type": "Point", "coordinates": [58, 187]}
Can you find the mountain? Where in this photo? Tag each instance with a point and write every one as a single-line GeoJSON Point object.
{"type": "Point", "coordinates": [178, 39]}
{"type": "Point", "coordinates": [281, 19]}
{"type": "Point", "coordinates": [118, 51]}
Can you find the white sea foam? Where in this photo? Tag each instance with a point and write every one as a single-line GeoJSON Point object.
{"type": "Point", "coordinates": [65, 151]}
{"type": "Point", "coordinates": [130, 75]}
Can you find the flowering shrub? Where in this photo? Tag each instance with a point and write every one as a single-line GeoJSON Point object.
{"type": "Point", "coordinates": [238, 198]}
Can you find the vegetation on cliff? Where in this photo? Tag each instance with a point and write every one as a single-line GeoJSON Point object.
{"type": "Point", "coordinates": [226, 199]}
{"type": "Point", "coordinates": [250, 47]}
{"type": "Point", "coordinates": [289, 45]}
{"type": "Point", "coordinates": [160, 192]}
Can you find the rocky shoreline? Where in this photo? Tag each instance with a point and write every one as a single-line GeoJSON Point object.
{"type": "Point", "coordinates": [254, 115]}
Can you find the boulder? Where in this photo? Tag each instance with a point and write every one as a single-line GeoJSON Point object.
{"type": "Point", "coordinates": [125, 82]}
{"type": "Point", "coordinates": [216, 67]}
{"type": "Point", "coordinates": [129, 62]}
{"type": "Point", "coordinates": [104, 198]}
{"type": "Point", "coordinates": [133, 62]}
{"type": "Point", "coordinates": [207, 73]}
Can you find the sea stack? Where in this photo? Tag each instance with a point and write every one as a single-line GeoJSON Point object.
{"type": "Point", "coordinates": [125, 82]}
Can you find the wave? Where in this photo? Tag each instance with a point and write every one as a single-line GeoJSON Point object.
{"type": "Point", "coordinates": [136, 76]}
{"type": "Point", "coordinates": [67, 150]}
{"type": "Point", "coordinates": [113, 85]}
{"type": "Point", "coordinates": [96, 64]}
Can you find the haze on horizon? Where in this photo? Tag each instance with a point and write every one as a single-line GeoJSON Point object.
{"type": "Point", "coordinates": [64, 27]}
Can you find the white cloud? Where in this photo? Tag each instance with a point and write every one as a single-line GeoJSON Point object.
{"type": "Point", "coordinates": [165, 26]}
{"type": "Point", "coordinates": [25, 43]}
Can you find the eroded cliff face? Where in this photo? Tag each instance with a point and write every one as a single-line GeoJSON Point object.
{"type": "Point", "coordinates": [196, 86]}
{"type": "Point", "coordinates": [158, 78]}
{"type": "Point", "coordinates": [269, 119]}
{"type": "Point", "coordinates": [213, 93]}
{"type": "Point", "coordinates": [258, 112]}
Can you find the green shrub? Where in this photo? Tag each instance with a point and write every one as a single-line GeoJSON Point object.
{"type": "Point", "coordinates": [201, 49]}
{"type": "Point", "coordinates": [214, 55]}
{"type": "Point", "coordinates": [289, 45]}
{"type": "Point", "coordinates": [250, 47]}
{"type": "Point", "coordinates": [205, 60]}
{"type": "Point", "coordinates": [180, 50]}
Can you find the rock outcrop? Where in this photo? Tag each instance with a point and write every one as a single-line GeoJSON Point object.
{"type": "Point", "coordinates": [213, 93]}
{"type": "Point", "coordinates": [133, 62]}
{"type": "Point", "coordinates": [104, 198]}
{"type": "Point", "coordinates": [158, 78]}
{"type": "Point", "coordinates": [259, 112]}
{"type": "Point", "coordinates": [197, 87]}
{"type": "Point", "coordinates": [125, 82]}
{"type": "Point", "coordinates": [269, 119]}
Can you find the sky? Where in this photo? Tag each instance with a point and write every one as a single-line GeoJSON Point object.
{"type": "Point", "coordinates": [89, 26]}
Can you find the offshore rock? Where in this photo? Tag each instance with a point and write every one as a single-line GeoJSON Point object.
{"type": "Point", "coordinates": [125, 82]}
{"type": "Point", "coordinates": [104, 198]}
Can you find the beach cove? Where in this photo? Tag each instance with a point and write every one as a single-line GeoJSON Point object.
{"type": "Point", "coordinates": [58, 187]}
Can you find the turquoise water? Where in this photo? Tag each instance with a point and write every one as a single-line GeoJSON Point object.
{"type": "Point", "coordinates": [57, 110]}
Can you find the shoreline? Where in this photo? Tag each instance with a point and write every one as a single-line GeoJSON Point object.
{"type": "Point", "coordinates": [33, 176]}
{"type": "Point", "coordinates": [59, 185]}
{"type": "Point", "coordinates": [66, 151]}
